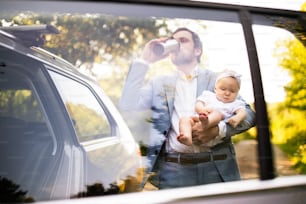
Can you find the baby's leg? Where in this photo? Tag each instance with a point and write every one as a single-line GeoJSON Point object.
{"type": "Point", "coordinates": [212, 119]}
{"type": "Point", "coordinates": [185, 127]}
{"type": "Point", "coordinates": [204, 120]}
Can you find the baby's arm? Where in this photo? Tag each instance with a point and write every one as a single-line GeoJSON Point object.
{"type": "Point", "coordinates": [239, 116]}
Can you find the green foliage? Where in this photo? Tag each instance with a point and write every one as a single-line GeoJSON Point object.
{"type": "Point", "coordinates": [289, 132]}
{"type": "Point", "coordinates": [95, 39]}
{"type": "Point", "coordinates": [303, 6]}
{"type": "Point", "coordinates": [288, 118]}
{"type": "Point", "coordinates": [12, 193]}
{"type": "Point", "coordinates": [88, 124]}
{"type": "Point", "coordinates": [20, 104]}
{"type": "Point", "coordinates": [296, 146]}
{"type": "Point", "coordinates": [88, 38]}
{"type": "Point", "coordinates": [294, 60]}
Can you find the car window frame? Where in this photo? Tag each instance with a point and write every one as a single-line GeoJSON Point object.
{"type": "Point", "coordinates": [113, 124]}
{"type": "Point", "coordinates": [244, 14]}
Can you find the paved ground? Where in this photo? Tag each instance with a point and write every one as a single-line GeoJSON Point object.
{"type": "Point", "coordinates": [247, 159]}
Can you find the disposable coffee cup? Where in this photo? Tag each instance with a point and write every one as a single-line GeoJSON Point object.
{"type": "Point", "coordinates": [164, 48]}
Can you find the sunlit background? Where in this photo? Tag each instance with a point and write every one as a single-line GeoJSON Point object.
{"type": "Point", "coordinates": [266, 43]}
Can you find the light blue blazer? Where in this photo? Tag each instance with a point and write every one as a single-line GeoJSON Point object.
{"type": "Point", "coordinates": [158, 95]}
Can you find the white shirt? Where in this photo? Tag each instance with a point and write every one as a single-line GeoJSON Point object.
{"type": "Point", "coordinates": [184, 102]}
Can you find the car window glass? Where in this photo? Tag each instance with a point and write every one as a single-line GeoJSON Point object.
{"type": "Point", "coordinates": [18, 99]}
{"type": "Point", "coordinates": [87, 115]}
{"type": "Point", "coordinates": [281, 56]}
{"type": "Point", "coordinates": [220, 41]}
{"type": "Point", "coordinates": [103, 40]}
{"type": "Point", "coordinates": [24, 134]}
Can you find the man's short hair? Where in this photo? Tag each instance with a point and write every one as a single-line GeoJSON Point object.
{"type": "Point", "coordinates": [196, 40]}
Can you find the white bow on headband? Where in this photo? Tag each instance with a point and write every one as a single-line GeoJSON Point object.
{"type": "Point", "coordinates": [229, 73]}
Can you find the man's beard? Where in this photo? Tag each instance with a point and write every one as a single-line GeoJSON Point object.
{"type": "Point", "coordinates": [179, 59]}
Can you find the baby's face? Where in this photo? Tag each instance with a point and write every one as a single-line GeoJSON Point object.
{"type": "Point", "coordinates": [227, 89]}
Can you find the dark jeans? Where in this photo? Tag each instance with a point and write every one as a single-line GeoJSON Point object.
{"type": "Point", "coordinates": [174, 174]}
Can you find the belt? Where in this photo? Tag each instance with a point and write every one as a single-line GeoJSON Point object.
{"type": "Point", "coordinates": [193, 158]}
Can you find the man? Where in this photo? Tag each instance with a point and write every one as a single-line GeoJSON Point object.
{"type": "Point", "coordinates": [171, 97]}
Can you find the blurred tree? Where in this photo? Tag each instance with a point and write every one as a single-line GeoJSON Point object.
{"type": "Point", "coordinates": [294, 60]}
{"type": "Point", "coordinates": [289, 132]}
{"type": "Point", "coordinates": [14, 102]}
{"type": "Point", "coordinates": [92, 38]}
{"type": "Point", "coordinates": [88, 123]}
{"type": "Point", "coordinates": [303, 6]}
{"type": "Point", "coordinates": [12, 193]}
{"type": "Point", "coordinates": [287, 118]}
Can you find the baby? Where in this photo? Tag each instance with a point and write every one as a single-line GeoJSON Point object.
{"type": "Point", "coordinates": [214, 107]}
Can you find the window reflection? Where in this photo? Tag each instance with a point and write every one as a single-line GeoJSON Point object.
{"type": "Point", "coordinates": [24, 136]}
{"type": "Point", "coordinates": [88, 117]}
{"type": "Point", "coordinates": [106, 55]}
{"type": "Point", "coordinates": [281, 53]}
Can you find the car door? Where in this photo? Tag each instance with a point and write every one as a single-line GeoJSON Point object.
{"type": "Point", "coordinates": [37, 152]}
{"type": "Point", "coordinates": [110, 151]}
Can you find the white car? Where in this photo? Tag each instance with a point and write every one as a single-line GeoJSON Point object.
{"type": "Point", "coordinates": [61, 136]}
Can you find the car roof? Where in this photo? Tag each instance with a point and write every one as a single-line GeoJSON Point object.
{"type": "Point", "coordinates": [28, 39]}
{"type": "Point", "coordinates": [31, 35]}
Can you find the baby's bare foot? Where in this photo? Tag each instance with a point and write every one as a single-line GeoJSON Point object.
{"type": "Point", "coordinates": [204, 119]}
{"type": "Point", "coordinates": [184, 139]}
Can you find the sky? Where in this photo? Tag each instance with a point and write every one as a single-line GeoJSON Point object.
{"type": "Point", "coordinates": [274, 77]}
{"type": "Point", "coordinates": [228, 51]}
{"type": "Point", "coordinates": [224, 48]}
{"type": "Point", "coordinates": [279, 4]}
